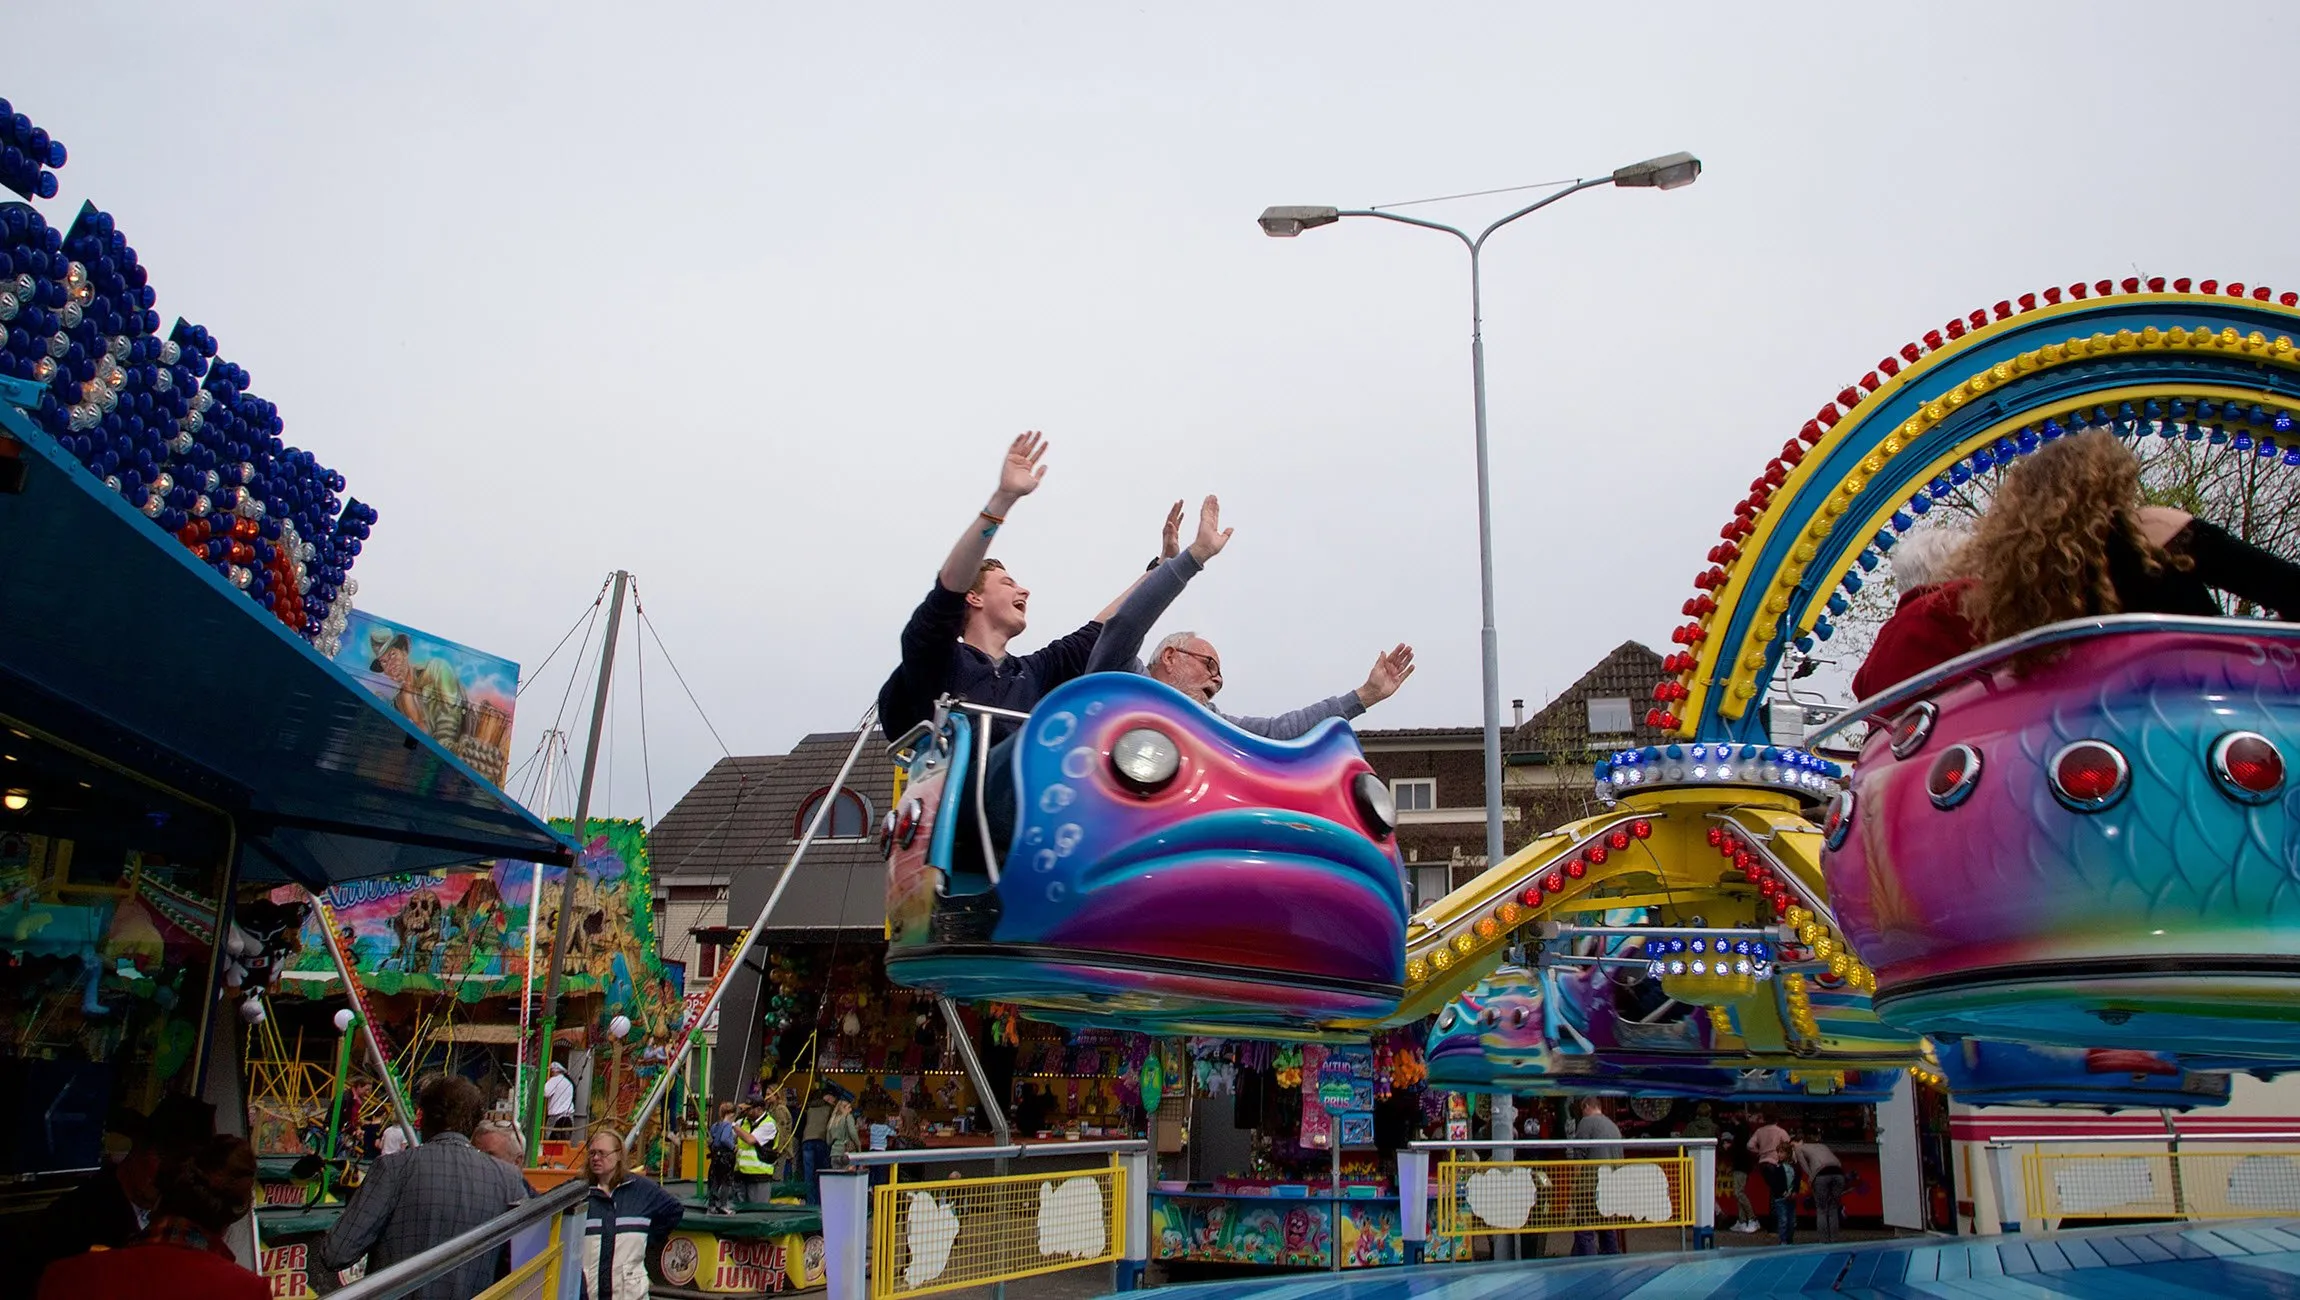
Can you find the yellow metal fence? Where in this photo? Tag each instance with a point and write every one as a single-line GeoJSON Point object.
{"type": "Point", "coordinates": [943, 1234]}
{"type": "Point", "coordinates": [537, 1277]}
{"type": "Point", "coordinates": [2223, 1184]}
{"type": "Point", "coordinates": [1488, 1198]}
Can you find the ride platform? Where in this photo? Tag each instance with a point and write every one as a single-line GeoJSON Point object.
{"type": "Point", "coordinates": [2252, 1258]}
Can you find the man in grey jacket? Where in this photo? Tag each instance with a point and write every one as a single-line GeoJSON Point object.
{"type": "Point", "coordinates": [1190, 664]}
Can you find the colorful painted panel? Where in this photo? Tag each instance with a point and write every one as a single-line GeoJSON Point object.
{"type": "Point", "coordinates": [706, 1262]}
{"type": "Point", "coordinates": [465, 933]}
{"type": "Point", "coordinates": [1285, 1233]}
{"type": "Point", "coordinates": [461, 697]}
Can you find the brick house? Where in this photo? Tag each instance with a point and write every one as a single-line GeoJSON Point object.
{"type": "Point", "coordinates": [1437, 774]}
{"type": "Point", "coordinates": [718, 851]}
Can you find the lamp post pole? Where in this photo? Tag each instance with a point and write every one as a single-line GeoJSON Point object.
{"type": "Point", "coordinates": [1668, 172]}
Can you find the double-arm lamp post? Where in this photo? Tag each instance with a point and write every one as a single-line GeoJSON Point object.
{"type": "Point", "coordinates": [1668, 172]}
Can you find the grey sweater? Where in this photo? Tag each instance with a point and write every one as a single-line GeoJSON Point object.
{"type": "Point", "coordinates": [1119, 649]}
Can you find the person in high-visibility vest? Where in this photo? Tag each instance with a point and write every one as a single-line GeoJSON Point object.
{"type": "Point", "coordinates": [755, 1132]}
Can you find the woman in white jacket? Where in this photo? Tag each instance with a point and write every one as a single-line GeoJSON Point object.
{"type": "Point", "coordinates": [629, 1219]}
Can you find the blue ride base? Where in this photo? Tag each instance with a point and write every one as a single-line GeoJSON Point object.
{"type": "Point", "coordinates": [2248, 1258]}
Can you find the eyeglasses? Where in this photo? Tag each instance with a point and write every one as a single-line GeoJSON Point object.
{"type": "Point", "coordinates": [1213, 665]}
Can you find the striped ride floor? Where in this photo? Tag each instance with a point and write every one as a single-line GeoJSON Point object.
{"type": "Point", "coordinates": [2226, 1261]}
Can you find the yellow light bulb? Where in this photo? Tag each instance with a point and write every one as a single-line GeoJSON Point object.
{"type": "Point", "coordinates": [1417, 970]}
{"type": "Point", "coordinates": [1465, 943]}
{"type": "Point", "coordinates": [1441, 959]}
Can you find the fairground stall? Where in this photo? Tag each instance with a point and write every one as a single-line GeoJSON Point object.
{"type": "Point", "coordinates": [174, 742]}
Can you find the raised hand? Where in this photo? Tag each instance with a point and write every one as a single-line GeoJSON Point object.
{"type": "Point", "coordinates": [1021, 473]}
{"type": "Point", "coordinates": [1170, 543]}
{"type": "Point", "coordinates": [1389, 673]}
{"type": "Point", "coordinates": [1212, 536]}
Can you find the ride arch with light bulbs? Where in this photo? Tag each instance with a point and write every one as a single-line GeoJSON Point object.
{"type": "Point", "coordinates": [1746, 917]}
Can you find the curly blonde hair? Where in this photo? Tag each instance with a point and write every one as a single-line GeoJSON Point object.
{"type": "Point", "coordinates": [2040, 554]}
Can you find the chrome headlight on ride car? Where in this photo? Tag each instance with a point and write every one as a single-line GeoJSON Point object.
{"type": "Point", "coordinates": [1145, 759]}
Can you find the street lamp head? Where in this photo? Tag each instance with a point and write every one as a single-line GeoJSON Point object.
{"type": "Point", "coordinates": [1285, 222]}
{"type": "Point", "coordinates": [1668, 172]}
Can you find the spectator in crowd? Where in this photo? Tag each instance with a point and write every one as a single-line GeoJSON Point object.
{"type": "Point", "coordinates": [501, 1141]}
{"type": "Point", "coordinates": [1734, 1160]}
{"type": "Point", "coordinates": [779, 1137]}
{"type": "Point", "coordinates": [396, 1138]}
{"type": "Point", "coordinates": [1928, 626]}
{"type": "Point", "coordinates": [1770, 1146]}
{"type": "Point", "coordinates": [558, 1104]}
{"type": "Point", "coordinates": [1702, 1125]}
{"type": "Point", "coordinates": [1825, 1174]}
{"type": "Point", "coordinates": [628, 1221]}
{"type": "Point", "coordinates": [2067, 536]}
{"type": "Point", "coordinates": [815, 1145]}
{"type": "Point", "coordinates": [1600, 1139]}
{"type": "Point", "coordinates": [753, 1142]}
{"type": "Point", "coordinates": [955, 642]}
{"type": "Point", "coordinates": [439, 1190]}
{"type": "Point", "coordinates": [844, 1134]}
{"type": "Point", "coordinates": [180, 1252]}
{"type": "Point", "coordinates": [719, 1150]}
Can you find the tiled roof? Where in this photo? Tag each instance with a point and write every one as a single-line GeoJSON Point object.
{"type": "Point", "coordinates": [1563, 724]}
{"type": "Point", "coordinates": [1394, 734]}
{"type": "Point", "coordinates": [741, 814]}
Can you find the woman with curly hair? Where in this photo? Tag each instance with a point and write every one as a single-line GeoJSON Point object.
{"type": "Point", "coordinates": [2067, 536]}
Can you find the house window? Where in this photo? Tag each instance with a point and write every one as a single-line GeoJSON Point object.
{"type": "Point", "coordinates": [1430, 884]}
{"type": "Point", "coordinates": [706, 961]}
{"type": "Point", "coordinates": [849, 818]}
{"type": "Point", "coordinates": [1414, 796]}
{"type": "Point", "coordinates": [1610, 717]}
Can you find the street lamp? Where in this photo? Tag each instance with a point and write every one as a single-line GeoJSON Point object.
{"type": "Point", "coordinates": [1668, 172]}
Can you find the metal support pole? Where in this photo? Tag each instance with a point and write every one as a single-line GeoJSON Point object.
{"type": "Point", "coordinates": [976, 1075]}
{"type": "Point", "coordinates": [1705, 1196]}
{"type": "Point", "coordinates": [335, 1107]}
{"type": "Point", "coordinates": [734, 960]}
{"type": "Point", "coordinates": [1488, 639]}
{"type": "Point", "coordinates": [2011, 1199]}
{"type": "Point", "coordinates": [552, 979]}
{"type": "Point", "coordinates": [1134, 1258]}
{"type": "Point", "coordinates": [1414, 1202]}
{"type": "Point", "coordinates": [846, 1234]}
{"type": "Point", "coordinates": [366, 1023]}
{"type": "Point", "coordinates": [1334, 1141]}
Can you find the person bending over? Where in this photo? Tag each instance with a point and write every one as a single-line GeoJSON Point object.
{"type": "Point", "coordinates": [956, 640]}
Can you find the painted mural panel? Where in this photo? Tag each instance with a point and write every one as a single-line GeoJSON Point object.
{"type": "Point", "coordinates": [461, 697]}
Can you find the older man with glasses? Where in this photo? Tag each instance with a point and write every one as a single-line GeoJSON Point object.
{"type": "Point", "coordinates": [1190, 664]}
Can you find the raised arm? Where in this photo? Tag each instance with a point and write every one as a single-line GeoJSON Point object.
{"type": "Point", "coordinates": [1389, 672]}
{"type": "Point", "coordinates": [1124, 628]}
{"type": "Point", "coordinates": [1018, 476]}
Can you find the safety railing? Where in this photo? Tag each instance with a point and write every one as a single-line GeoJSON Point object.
{"type": "Point", "coordinates": [2215, 1176]}
{"type": "Point", "coordinates": [924, 1236]}
{"type": "Point", "coordinates": [1552, 1185]}
{"type": "Point", "coordinates": [544, 1236]}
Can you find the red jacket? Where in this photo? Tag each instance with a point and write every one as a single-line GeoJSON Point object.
{"type": "Point", "coordinates": [149, 1269]}
{"type": "Point", "coordinates": [1927, 629]}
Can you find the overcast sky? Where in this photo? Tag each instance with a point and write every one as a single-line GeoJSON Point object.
{"type": "Point", "coordinates": [747, 299]}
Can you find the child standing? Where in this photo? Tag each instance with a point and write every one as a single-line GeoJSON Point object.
{"type": "Point", "coordinates": [720, 1148]}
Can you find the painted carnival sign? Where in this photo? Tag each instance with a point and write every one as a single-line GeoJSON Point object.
{"type": "Point", "coordinates": [720, 1265]}
{"type": "Point", "coordinates": [461, 697]}
{"type": "Point", "coordinates": [464, 933]}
